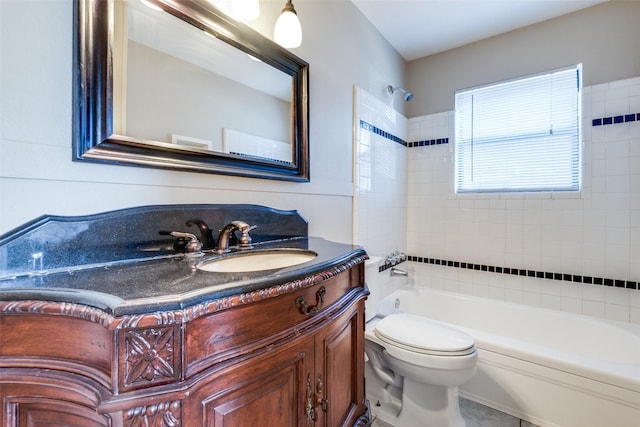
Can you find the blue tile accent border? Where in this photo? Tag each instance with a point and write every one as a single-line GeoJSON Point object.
{"type": "Point", "coordinates": [576, 278]}
{"type": "Point", "coordinates": [371, 128]}
{"type": "Point", "coordinates": [428, 142]}
{"type": "Point", "coordinates": [625, 118]}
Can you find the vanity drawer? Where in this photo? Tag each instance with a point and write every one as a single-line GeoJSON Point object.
{"type": "Point", "coordinates": [229, 333]}
{"type": "Point", "coordinates": [33, 340]}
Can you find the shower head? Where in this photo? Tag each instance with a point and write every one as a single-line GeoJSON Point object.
{"type": "Point", "coordinates": [408, 96]}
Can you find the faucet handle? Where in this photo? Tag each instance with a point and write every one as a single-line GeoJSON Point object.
{"type": "Point", "coordinates": [185, 242]}
{"type": "Point", "coordinates": [395, 258]}
{"type": "Point", "coordinates": [228, 233]}
{"type": "Point", "coordinates": [244, 242]}
{"type": "Point", "coordinates": [243, 226]}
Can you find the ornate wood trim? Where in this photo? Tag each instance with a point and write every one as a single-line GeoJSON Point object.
{"type": "Point", "coordinates": [160, 318]}
{"type": "Point", "coordinates": [54, 308]}
{"type": "Point", "coordinates": [166, 318]}
{"type": "Point", "coordinates": [164, 414]}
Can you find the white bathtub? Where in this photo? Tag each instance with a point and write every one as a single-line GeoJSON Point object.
{"type": "Point", "coordinates": [547, 367]}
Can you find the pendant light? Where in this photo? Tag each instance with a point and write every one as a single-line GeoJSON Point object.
{"type": "Point", "coordinates": [288, 31]}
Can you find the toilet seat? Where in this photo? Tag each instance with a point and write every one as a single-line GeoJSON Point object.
{"type": "Point", "coordinates": [424, 336]}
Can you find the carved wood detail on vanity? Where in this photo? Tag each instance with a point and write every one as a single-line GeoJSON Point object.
{"type": "Point", "coordinates": [151, 357]}
{"type": "Point", "coordinates": [165, 414]}
{"type": "Point", "coordinates": [53, 308]}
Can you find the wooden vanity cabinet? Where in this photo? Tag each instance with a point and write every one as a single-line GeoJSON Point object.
{"type": "Point", "coordinates": [314, 379]}
{"type": "Point", "coordinates": [290, 355]}
{"type": "Point", "coordinates": [307, 371]}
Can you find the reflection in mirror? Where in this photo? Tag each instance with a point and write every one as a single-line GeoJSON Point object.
{"type": "Point", "coordinates": [191, 89]}
{"type": "Point", "coordinates": [233, 104]}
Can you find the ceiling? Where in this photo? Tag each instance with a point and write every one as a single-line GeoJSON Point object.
{"type": "Point", "coordinates": [418, 28]}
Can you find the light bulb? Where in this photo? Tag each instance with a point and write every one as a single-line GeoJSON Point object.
{"type": "Point", "coordinates": [288, 31]}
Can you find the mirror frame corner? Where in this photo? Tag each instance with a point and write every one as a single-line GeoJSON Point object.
{"type": "Point", "coordinates": [93, 137]}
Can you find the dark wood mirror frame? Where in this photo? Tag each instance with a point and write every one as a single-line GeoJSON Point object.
{"type": "Point", "coordinates": [93, 138]}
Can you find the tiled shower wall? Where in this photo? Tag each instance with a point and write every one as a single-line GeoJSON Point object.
{"type": "Point", "coordinates": [380, 175]}
{"type": "Point", "coordinates": [515, 247]}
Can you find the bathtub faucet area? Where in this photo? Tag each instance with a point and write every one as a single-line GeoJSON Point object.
{"type": "Point", "coordinates": [395, 258]}
{"type": "Point", "coordinates": [395, 271]}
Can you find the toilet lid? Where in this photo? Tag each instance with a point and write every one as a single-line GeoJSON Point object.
{"type": "Point", "coordinates": [422, 335]}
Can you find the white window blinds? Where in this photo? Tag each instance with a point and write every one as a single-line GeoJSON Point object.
{"type": "Point", "coordinates": [520, 135]}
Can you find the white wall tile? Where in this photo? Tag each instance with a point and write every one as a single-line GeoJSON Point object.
{"type": "Point", "coordinates": [594, 233]}
{"type": "Point", "coordinates": [552, 302]}
{"type": "Point", "coordinates": [593, 308]}
{"type": "Point", "coordinates": [381, 176]}
{"type": "Point", "coordinates": [572, 305]}
{"type": "Point", "coordinates": [634, 316]}
{"type": "Point", "coordinates": [620, 313]}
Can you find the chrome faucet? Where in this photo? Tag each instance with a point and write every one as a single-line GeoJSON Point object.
{"type": "Point", "coordinates": [244, 242]}
{"type": "Point", "coordinates": [395, 271]}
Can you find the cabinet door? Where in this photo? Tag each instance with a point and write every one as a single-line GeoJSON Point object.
{"type": "Point", "coordinates": [268, 390]}
{"type": "Point", "coordinates": [48, 398]}
{"type": "Point", "coordinates": [340, 369]}
{"type": "Point", "coordinates": [55, 414]}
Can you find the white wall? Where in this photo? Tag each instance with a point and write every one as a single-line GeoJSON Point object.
{"type": "Point", "coordinates": [38, 177]}
{"type": "Point", "coordinates": [605, 38]}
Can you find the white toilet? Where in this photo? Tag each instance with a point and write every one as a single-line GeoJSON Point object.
{"type": "Point", "coordinates": [414, 364]}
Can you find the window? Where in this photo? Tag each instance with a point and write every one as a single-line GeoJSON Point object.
{"type": "Point", "coordinates": [520, 135]}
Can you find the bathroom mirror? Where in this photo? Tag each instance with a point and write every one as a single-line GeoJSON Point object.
{"type": "Point", "coordinates": [186, 87]}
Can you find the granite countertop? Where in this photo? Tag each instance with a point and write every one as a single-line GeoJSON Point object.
{"type": "Point", "coordinates": [166, 282]}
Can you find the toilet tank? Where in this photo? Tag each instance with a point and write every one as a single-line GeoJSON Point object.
{"type": "Point", "coordinates": [374, 281]}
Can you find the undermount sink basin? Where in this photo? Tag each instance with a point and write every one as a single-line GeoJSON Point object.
{"type": "Point", "coordinates": [257, 261]}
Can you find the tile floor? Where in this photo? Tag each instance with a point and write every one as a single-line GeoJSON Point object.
{"type": "Point", "coordinates": [477, 415]}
